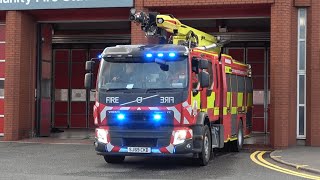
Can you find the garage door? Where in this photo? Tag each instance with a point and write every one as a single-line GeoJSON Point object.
{"type": "Point", "coordinates": [256, 57]}
{"type": "Point", "coordinates": [70, 94]}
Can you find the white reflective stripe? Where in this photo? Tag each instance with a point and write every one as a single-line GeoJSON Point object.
{"type": "Point", "coordinates": [139, 108]}
{"type": "Point", "coordinates": [176, 113]}
{"type": "Point", "coordinates": [189, 109]}
{"type": "Point", "coordinates": [190, 131]}
{"type": "Point", "coordinates": [1, 116]}
{"type": "Point", "coordinates": [153, 108]}
{"type": "Point", "coordinates": [96, 121]}
{"type": "Point", "coordinates": [103, 113]}
{"type": "Point", "coordinates": [185, 121]}
{"type": "Point", "coordinates": [124, 108]}
{"type": "Point", "coordinates": [170, 148]}
{"type": "Point", "coordinates": [2, 60]}
{"type": "Point", "coordinates": [185, 104]}
{"type": "Point", "coordinates": [97, 103]}
{"type": "Point", "coordinates": [109, 147]}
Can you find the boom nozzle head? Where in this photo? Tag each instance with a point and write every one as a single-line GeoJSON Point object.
{"type": "Point", "coordinates": [146, 20]}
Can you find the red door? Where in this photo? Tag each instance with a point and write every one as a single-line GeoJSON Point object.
{"type": "Point", "coordinates": [256, 57]}
{"type": "Point", "coordinates": [70, 101]}
{"type": "Point", "coordinates": [237, 53]}
{"type": "Point", "coordinates": [78, 92]}
{"type": "Point", "coordinates": [61, 88]}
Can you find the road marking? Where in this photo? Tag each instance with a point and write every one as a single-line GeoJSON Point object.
{"type": "Point", "coordinates": [284, 169]}
{"type": "Point", "coordinates": [300, 166]}
{"type": "Point", "coordinates": [276, 156]}
{"type": "Point", "coordinates": [262, 162]}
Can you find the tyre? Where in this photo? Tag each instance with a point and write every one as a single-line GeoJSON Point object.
{"type": "Point", "coordinates": [114, 159]}
{"type": "Point", "coordinates": [237, 145]}
{"type": "Point", "coordinates": [205, 155]}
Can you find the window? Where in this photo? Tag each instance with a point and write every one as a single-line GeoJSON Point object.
{"type": "Point", "coordinates": [228, 83]}
{"type": "Point", "coordinates": [217, 77]}
{"type": "Point", "coordinates": [241, 84]}
{"type": "Point", "coordinates": [210, 71]}
{"type": "Point", "coordinates": [234, 83]}
{"type": "Point", "coordinates": [301, 76]}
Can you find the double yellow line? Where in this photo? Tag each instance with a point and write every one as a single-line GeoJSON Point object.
{"type": "Point", "coordinates": [257, 157]}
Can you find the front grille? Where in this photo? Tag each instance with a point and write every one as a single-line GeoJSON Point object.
{"type": "Point", "coordinates": [140, 119]}
{"type": "Point", "coordinates": [138, 129]}
{"type": "Point", "coordinates": [146, 142]}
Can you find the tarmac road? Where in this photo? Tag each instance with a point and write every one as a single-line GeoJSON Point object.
{"type": "Point", "coordinates": [43, 161]}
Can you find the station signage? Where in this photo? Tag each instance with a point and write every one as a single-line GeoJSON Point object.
{"type": "Point", "coordinates": [61, 4]}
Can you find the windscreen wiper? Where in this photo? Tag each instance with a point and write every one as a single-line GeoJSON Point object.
{"type": "Point", "coordinates": [122, 89]}
{"type": "Point", "coordinates": [153, 90]}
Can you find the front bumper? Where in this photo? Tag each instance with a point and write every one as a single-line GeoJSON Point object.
{"type": "Point", "coordinates": [185, 149]}
{"type": "Point", "coordinates": [191, 147]}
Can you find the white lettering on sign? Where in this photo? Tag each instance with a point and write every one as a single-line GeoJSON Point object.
{"type": "Point", "coordinates": [239, 72]}
{"type": "Point", "coordinates": [61, 4]}
{"type": "Point", "coordinates": [112, 99]}
{"type": "Point", "coordinates": [166, 100]}
{"type": "Point", "coordinates": [228, 61]}
{"type": "Point", "coordinates": [26, 2]}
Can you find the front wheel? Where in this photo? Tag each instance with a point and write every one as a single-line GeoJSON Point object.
{"type": "Point", "coordinates": [204, 156]}
{"type": "Point", "coordinates": [114, 159]}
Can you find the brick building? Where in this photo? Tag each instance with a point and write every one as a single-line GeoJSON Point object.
{"type": "Point", "coordinates": [44, 44]}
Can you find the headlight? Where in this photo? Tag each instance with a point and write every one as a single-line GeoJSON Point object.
{"type": "Point", "coordinates": [102, 135]}
{"type": "Point", "coordinates": [179, 137]}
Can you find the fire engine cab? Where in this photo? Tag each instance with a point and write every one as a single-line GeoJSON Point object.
{"type": "Point", "coordinates": [184, 98]}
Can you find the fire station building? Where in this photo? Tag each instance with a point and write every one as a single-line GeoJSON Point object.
{"type": "Point", "coordinates": [44, 45]}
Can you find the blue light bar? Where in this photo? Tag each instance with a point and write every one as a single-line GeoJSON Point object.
{"type": "Point", "coordinates": [100, 56]}
{"type": "Point", "coordinates": [149, 55]}
{"type": "Point", "coordinates": [172, 54]}
{"type": "Point", "coordinates": [157, 117]}
{"type": "Point", "coordinates": [120, 116]}
{"type": "Point", "coordinates": [160, 54]}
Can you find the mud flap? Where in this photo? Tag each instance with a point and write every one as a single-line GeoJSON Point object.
{"type": "Point", "coordinates": [217, 131]}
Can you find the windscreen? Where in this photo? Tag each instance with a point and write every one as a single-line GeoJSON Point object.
{"type": "Point", "coordinates": [143, 75]}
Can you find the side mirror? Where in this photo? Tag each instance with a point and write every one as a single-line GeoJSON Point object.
{"type": "Point", "coordinates": [204, 79]}
{"type": "Point", "coordinates": [88, 81]}
{"type": "Point", "coordinates": [195, 65]}
{"type": "Point", "coordinates": [89, 66]}
{"type": "Point", "coordinates": [203, 64]}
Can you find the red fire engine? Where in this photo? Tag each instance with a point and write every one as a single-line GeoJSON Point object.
{"type": "Point", "coordinates": [184, 98]}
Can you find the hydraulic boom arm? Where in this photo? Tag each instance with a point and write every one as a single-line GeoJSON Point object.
{"type": "Point", "coordinates": [152, 23]}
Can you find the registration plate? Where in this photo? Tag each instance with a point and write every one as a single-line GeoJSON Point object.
{"type": "Point", "coordinates": [139, 149]}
